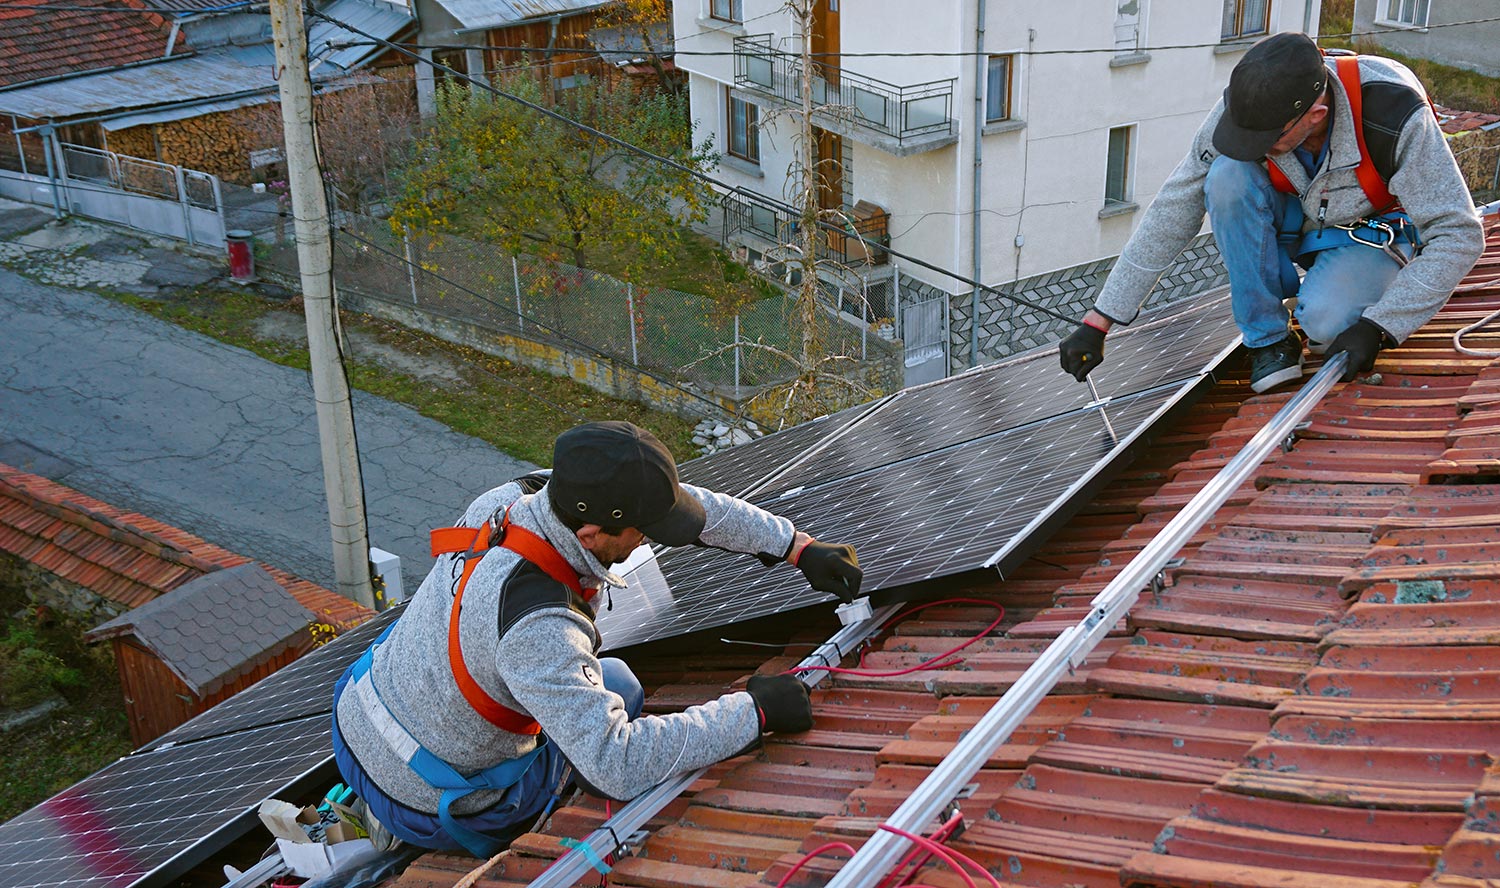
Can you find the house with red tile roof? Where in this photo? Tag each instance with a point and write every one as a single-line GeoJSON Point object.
{"type": "Point", "coordinates": [72, 552]}
{"type": "Point", "coordinates": [1310, 696]}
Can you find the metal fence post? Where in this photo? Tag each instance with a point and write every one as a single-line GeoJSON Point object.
{"type": "Point", "coordinates": [411, 266]}
{"type": "Point", "coordinates": [515, 275]}
{"type": "Point", "coordinates": [896, 302]}
{"type": "Point", "coordinates": [630, 310]}
{"type": "Point", "coordinates": [187, 208]}
{"type": "Point", "coordinates": [736, 352]}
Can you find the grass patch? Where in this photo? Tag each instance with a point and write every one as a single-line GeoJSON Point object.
{"type": "Point", "coordinates": [42, 655]}
{"type": "Point", "coordinates": [1453, 87]}
{"type": "Point", "coordinates": [516, 409]}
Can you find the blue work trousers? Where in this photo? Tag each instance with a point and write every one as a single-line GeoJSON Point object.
{"type": "Point", "coordinates": [1247, 214]}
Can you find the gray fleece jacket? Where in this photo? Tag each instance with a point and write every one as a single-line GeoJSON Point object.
{"type": "Point", "coordinates": [1426, 182]}
{"type": "Point", "coordinates": [544, 665]}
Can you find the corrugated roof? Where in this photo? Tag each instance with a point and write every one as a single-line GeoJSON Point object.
{"type": "Point", "coordinates": [474, 14]}
{"type": "Point", "coordinates": [220, 75]}
{"type": "Point", "coordinates": [1313, 699]}
{"type": "Point", "coordinates": [345, 50]}
{"type": "Point", "coordinates": [215, 627]}
{"type": "Point", "coordinates": [197, 109]}
{"type": "Point", "coordinates": [123, 556]}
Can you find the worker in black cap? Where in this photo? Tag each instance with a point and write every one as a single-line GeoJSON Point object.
{"type": "Point", "coordinates": [456, 727]}
{"type": "Point", "coordinates": [1332, 163]}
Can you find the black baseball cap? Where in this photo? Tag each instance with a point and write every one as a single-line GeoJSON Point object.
{"type": "Point", "coordinates": [616, 474]}
{"type": "Point", "coordinates": [1275, 83]}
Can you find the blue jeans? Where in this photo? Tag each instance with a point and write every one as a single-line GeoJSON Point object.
{"type": "Point", "coordinates": [519, 804]}
{"type": "Point", "coordinates": [1247, 213]}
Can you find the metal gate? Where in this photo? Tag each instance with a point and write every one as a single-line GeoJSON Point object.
{"type": "Point", "coordinates": [922, 324]}
{"type": "Point", "coordinates": [161, 198]}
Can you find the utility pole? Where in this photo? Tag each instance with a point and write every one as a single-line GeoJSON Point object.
{"type": "Point", "coordinates": [341, 475]}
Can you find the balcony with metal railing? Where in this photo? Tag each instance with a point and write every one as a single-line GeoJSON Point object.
{"type": "Point", "coordinates": [900, 120]}
{"type": "Point", "coordinates": [771, 230]}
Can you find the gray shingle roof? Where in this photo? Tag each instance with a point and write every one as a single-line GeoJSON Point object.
{"type": "Point", "coordinates": [211, 629]}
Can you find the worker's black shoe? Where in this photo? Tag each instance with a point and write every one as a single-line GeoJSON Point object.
{"type": "Point", "coordinates": [1275, 364]}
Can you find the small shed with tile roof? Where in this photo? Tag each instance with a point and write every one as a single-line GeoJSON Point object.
{"type": "Point", "coordinates": [202, 643]}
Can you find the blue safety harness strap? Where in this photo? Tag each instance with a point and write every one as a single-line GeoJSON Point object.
{"type": "Point", "coordinates": [439, 774]}
{"type": "Point", "coordinates": [1379, 232]}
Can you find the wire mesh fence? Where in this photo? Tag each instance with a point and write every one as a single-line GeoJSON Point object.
{"type": "Point", "coordinates": [685, 336]}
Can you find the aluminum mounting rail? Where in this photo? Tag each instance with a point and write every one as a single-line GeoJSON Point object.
{"type": "Point", "coordinates": [621, 828]}
{"type": "Point", "coordinates": [878, 856]}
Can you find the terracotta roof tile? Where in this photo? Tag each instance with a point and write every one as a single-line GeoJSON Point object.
{"type": "Point", "coordinates": [123, 556]}
{"type": "Point", "coordinates": [39, 42]}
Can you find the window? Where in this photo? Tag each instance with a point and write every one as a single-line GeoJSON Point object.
{"type": "Point", "coordinates": [727, 10]}
{"type": "Point", "coordinates": [997, 88]}
{"type": "Point", "coordinates": [1402, 12]}
{"type": "Point", "coordinates": [1246, 18]}
{"type": "Point", "coordinates": [744, 129]}
{"type": "Point", "coordinates": [1128, 22]}
{"type": "Point", "coordinates": [1117, 168]}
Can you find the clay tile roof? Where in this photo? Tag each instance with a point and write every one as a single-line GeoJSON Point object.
{"type": "Point", "coordinates": [1312, 699]}
{"type": "Point", "coordinates": [126, 557]}
{"type": "Point", "coordinates": [37, 43]}
{"type": "Point", "coordinates": [191, 631]}
{"type": "Point", "coordinates": [1454, 122]}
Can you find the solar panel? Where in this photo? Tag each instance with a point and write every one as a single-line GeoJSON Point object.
{"type": "Point", "coordinates": [930, 515]}
{"type": "Point", "coordinates": [1025, 389]}
{"type": "Point", "coordinates": [934, 481]}
{"type": "Point", "coordinates": [160, 812]}
{"type": "Point", "coordinates": [300, 689]}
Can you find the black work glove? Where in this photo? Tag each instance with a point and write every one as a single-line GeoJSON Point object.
{"type": "Point", "coordinates": [1361, 339]}
{"type": "Point", "coordinates": [832, 568]}
{"type": "Point", "coordinates": [1082, 351]}
{"type": "Point", "coordinates": [782, 702]}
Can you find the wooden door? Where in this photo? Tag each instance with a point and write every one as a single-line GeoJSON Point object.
{"type": "Point", "coordinates": [825, 38]}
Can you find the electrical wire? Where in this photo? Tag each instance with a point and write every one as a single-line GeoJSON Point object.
{"type": "Point", "coordinates": [938, 662]}
{"type": "Point", "coordinates": [950, 856]}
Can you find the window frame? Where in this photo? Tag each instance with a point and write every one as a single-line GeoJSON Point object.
{"type": "Point", "coordinates": [1239, 32]}
{"type": "Point", "coordinates": [1009, 91]}
{"type": "Point", "coordinates": [1127, 180]}
{"type": "Point", "coordinates": [733, 11]}
{"type": "Point", "coordinates": [752, 129]}
{"type": "Point", "coordinates": [1383, 17]}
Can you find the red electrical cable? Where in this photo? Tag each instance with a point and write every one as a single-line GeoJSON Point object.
{"type": "Point", "coordinates": [940, 834]}
{"type": "Point", "coordinates": [809, 856]}
{"type": "Point", "coordinates": [948, 855]}
{"type": "Point", "coordinates": [938, 662]}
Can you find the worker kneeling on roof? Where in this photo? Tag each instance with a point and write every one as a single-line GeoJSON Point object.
{"type": "Point", "coordinates": [459, 724]}
{"type": "Point", "coordinates": [1336, 164]}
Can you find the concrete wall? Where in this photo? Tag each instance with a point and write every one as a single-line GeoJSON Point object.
{"type": "Point", "coordinates": [1043, 173]}
{"type": "Point", "coordinates": [1466, 46]}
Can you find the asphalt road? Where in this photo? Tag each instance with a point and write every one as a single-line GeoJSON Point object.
{"type": "Point", "coordinates": [212, 439]}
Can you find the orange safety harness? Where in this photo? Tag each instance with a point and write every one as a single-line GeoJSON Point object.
{"type": "Point", "coordinates": [475, 542]}
{"type": "Point", "coordinates": [1369, 177]}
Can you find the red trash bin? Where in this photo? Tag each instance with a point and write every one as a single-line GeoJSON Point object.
{"type": "Point", "coordinates": [241, 255]}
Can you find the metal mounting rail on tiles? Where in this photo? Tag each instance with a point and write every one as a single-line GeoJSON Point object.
{"type": "Point", "coordinates": [621, 829]}
{"type": "Point", "coordinates": [878, 856]}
